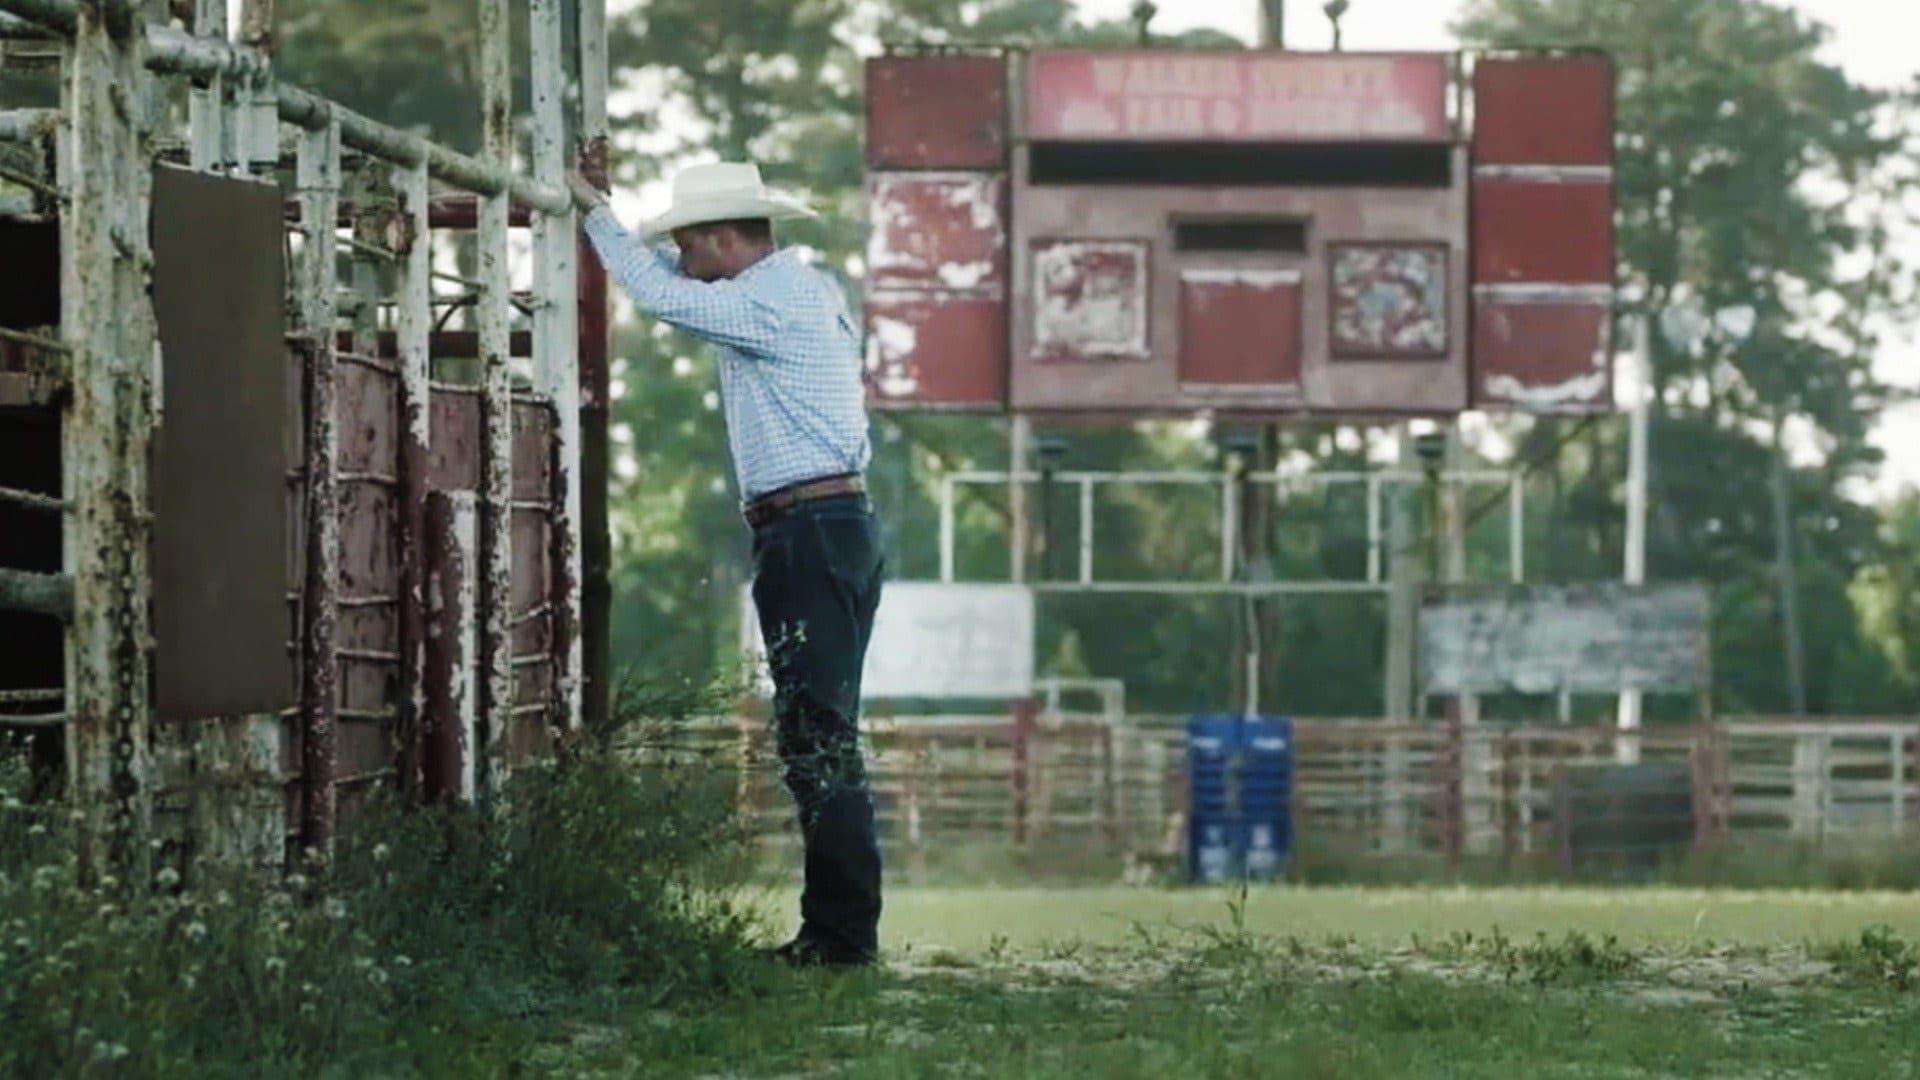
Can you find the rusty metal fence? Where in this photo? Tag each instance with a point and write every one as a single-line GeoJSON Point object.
{"type": "Point", "coordinates": [1363, 788]}
{"type": "Point", "coordinates": [434, 500]}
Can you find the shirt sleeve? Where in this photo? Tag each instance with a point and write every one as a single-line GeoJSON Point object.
{"type": "Point", "coordinates": [722, 312]}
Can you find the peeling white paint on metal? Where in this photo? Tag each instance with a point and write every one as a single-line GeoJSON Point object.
{"type": "Point", "coordinates": [903, 239]}
{"type": "Point", "coordinates": [1580, 389]}
{"type": "Point", "coordinates": [1254, 279]}
{"type": "Point", "coordinates": [1090, 298]}
{"type": "Point", "coordinates": [890, 347]}
{"type": "Point", "coordinates": [462, 691]}
{"type": "Point", "coordinates": [965, 275]}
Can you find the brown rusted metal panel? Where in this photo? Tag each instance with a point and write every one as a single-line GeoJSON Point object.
{"type": "Point", "coordinates": [453, 457]}
{"type": "Point", "coordinates": [220, 454]}
{"type": "Point", "coordinates": [1139, 95]}
{"type": "Point", "coordinates": [936, 112]}
{"type": "Point", "coordinates": [1559, 232]}
{"type": "Point", "coordinates": [532, 635]}
{"type": "Point", "coordinates": [368, 503]}
{"type": "Point", "coordinates": [1543, 356]}
{"type": "Point", "coordinates": [1543, 110]}
{"type": "Point", "coordinates": [1090, 300]}
{"type": "Point", "coordinates": [1388, 300]}
{"type": "Point", "coordinates": [447, 726]}
{"type": "Point", "coordinates": [1239, 328]}
{"type": "Point", "coordinates": [937, 231]}
{"type": "Point", "coordinates": [935, 349]}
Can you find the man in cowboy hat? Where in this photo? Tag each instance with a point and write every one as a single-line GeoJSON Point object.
{"type": "Point", "coordinates": [797, 428]}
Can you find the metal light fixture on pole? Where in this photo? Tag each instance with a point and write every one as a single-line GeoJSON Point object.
{"type": "Point", "coordinates": [1336, 10]}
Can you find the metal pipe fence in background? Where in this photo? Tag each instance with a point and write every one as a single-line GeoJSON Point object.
{"type": "Point", "coordinates": [1363, 788]}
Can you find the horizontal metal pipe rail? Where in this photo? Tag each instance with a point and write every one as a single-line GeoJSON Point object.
{"type": "Point", "coordinates": [22, 125]}
{"type": "Point", "coordinates": [38, 594]}
{"type": "Point", "coordinates": [177, 52]}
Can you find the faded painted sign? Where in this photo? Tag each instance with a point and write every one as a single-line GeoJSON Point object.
{"type": "Point", "coordinates": [1388, 300]}
{"type": "Point", "coordinates": [1090, 299]}
{"type": "Point", "coordinates": [934, 640]}
{"type": "Point", "coordinates": [1251, 97]}
{"type": "Point", "coordinates": [1544, 639]}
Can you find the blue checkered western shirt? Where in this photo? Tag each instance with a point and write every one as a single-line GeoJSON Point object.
{"type": "Point", "coordinates": [789, 355]}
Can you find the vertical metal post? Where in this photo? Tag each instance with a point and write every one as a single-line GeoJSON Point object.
{"type": "Point", "coordinates": [1404, 576]}
{"type": "Point", "coordinates": [555, 345]}
{"type": "Point", "coordinates": [1785, 570]}
{"type": "Point", "coordinates": [1627, 749]}
{"type": "Point", "coordinates": [1517, 528]}
{"type": "Point", "coordinates": [1897, 775]}
{"type": "Point", "coordinates": [318, 180]}
{"type": "Point", "coordinates": [491, 316]}
{"type": "Point", "coordinates": [1019, 443]}
{"type": "Point", "coordinates": [596, 539]}
{"type": "Point", "coordinates": [946, 528]}
{"type": "Point", "coordinates": [206, 106]}
{"type": "Point", "coordinates": [1373, 530]}
{"type": "Point", "coordinates": [413, 322]}
{"type": "Point", "coordinates": [1086, 530]}
{"type": "Point", "coordinates": [1230, 519]}
{"type": "Point", "coordinates": [263, 127]}
{"type": "Point", "coordinates": [107, 320]}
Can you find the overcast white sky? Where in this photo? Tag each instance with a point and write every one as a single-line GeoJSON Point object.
{"type": "Point", "coordinates": [1873, 40]}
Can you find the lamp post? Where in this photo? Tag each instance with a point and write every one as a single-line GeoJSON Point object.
{"type": "Point", "coordinates": [1336, 10]}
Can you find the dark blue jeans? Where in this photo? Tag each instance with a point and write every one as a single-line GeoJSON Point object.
{"type": "Point", "coordinates": [816, 583]}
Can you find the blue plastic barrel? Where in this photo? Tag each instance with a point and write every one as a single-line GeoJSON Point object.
{"type": "Point", "coordinates": [1240, 785]}
{"type": "Point", "coordinates": [1212, 826]}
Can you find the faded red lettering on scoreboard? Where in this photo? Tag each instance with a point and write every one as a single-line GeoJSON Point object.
{"type": "Point", "coordinates": [1258, 97]}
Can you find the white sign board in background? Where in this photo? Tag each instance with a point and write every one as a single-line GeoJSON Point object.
{"type": "Point", "coordinates": [1541, 639]}
{"type": "Point", "coordinates": [934, 640]}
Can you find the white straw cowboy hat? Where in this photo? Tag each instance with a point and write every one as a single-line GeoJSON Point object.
{"type": "Point", "coordinates": [725, 191]}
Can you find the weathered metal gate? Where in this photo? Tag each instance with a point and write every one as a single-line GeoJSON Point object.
{"type": "Point", "coordinates": [433, 499]}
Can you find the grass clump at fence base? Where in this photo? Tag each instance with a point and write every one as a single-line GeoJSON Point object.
{"type": "Point", "coordinates": [437, 940]}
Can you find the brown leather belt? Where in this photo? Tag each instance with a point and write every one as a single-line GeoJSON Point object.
{"type": "Point", "coordinates": [777, 502]}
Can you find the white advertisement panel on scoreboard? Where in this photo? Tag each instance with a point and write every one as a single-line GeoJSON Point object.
{"type": "Point", "coordinates": [934, 640]}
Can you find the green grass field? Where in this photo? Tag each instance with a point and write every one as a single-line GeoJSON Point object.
{"type": "Point", "coordinates": [1333, 982]}
{"type": "Point", "coordinates": [970, 919]}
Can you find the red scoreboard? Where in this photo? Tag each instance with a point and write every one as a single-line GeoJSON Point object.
{"type": "Point", "coordinates": [1154, 231]}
